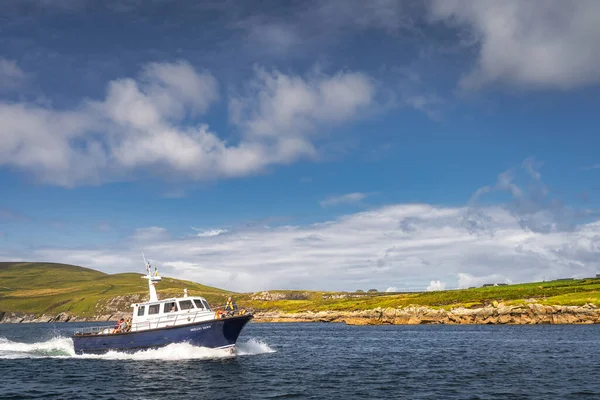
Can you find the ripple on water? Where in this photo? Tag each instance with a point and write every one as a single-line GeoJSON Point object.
{"type": "Point", "coordinates": [333, 361]}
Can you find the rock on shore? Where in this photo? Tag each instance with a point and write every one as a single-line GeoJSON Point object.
{"type": "Point", "coordinates": [413, 315]}
{"type": "Point", "coordinates": [16, 317]}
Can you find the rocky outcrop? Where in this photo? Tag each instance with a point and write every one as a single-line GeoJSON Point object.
{"type": "Point", "coordinates": [111, 309]}
{"type": "Point", "coordinates": [269, 296]}
{"type": "Point", "coordinates": [337, 296]}
{"type": "Point", "coordinates": [15, 318]}
{"type": "Point", "coordinates": [532, 313]}
{"type": "Point", "coordinates": [116, 305]}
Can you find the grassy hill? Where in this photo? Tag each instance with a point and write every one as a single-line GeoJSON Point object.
{"type": "Point", "coordinates": [48, 288]}
{"type": "Point", "coordinates": [51, 288]}
{"type": "Point", "coordinates": [560, 292]}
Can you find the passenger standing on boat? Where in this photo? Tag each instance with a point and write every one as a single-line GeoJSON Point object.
{"type": "Point", "coordinates": [231, 307]}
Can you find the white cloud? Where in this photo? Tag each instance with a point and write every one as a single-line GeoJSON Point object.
{"type": "Point", "coordinates": [543, 43]}
{"type": "Point", "coordinates": [531, 205]}
{"type": "Point", "coordinates": [279, 105]}
{"type": "Point", "coordinates": [348, 198]}
{"type": "Point", "coordinates": [11, 75]}
{"type": "Point", "coordinates": [144, 125]}
{"type": "Point", "coordinates": [38, 140]}
{"type": "Point", "coordinates": [436, 285]}
{"type": "Point", "coordinates": [209, 232]}
{"type": "Point", "coordinates": [415, 243]}
{"type": "Point", "coordinates": [391, 289]}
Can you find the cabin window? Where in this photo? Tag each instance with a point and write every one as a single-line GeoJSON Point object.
{"type": "Point", "coordinates": [141, 310]}
{"type": "Point", "coordinates": [206, 305]}
{"type": "Point", "coordinates": [199, 304]}
{"type": "Point", "coordinates": [170, 307]}
{"type": "Point", "coordinates": [154, 309]}
{"type": "Point", "coordinates": [186, 305]}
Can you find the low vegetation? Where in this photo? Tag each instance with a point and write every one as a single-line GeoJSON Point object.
{"type": "Point", "coordinates": [561, 292]}
{"type": "Point", "coordinates": [49, 288]}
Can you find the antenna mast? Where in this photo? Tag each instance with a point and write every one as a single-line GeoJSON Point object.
{"type": "Point", "coordinates": [152, 279]}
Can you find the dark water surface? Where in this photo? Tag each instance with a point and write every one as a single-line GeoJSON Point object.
{"type": "Point", "coordinates": [315, 361]}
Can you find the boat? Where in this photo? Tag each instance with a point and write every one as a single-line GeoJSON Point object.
{"type": "Point", "coordinates": [158, 323]}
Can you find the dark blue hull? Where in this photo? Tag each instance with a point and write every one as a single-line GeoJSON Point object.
{"type": "Point", "coordinates": [213, 334]}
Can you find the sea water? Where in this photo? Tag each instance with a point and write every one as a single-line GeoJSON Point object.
{"type": "Point", "coordinates": [314, 361]}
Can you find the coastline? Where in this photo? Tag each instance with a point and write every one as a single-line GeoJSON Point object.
{"type": "Point", "coordinates": [414, 315]}
{"type": "Point", "coordinates": [533, 313]}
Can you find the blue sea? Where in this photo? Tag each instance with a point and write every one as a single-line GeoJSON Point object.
{"type": "Point", "coordinates": [314, 361]}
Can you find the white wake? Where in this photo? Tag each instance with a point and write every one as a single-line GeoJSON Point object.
{"type": "Point", "coordinates": [61, 347]}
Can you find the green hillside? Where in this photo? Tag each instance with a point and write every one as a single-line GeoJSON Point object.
{"type": "Point", "coordinates": [51, 288]}
{"type": "Point", "coordinates": [559, 292]}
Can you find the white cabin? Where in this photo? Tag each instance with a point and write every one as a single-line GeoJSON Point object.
{"type": "Point", "coordinates": [157, 313]}
{"type": "Point", "coordinates": [169, 312]}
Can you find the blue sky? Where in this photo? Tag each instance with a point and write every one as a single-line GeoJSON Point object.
{"type": "Point", "coordinates": [333, 145]}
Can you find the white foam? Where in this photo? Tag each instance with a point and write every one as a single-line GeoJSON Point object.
{"type": "Point", "coordinates": [175, 351]}
{"type": "Point", "coordinates": [58, 346]}
{"type": "Point", "coordinates": [252, 347]}
{"type": "Point", "coordinates": [61, 347]}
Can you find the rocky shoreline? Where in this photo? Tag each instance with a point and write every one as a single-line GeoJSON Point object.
{"type": "Point", "coordinates": [413, 315]}
{"type": "Point", "coordinates": [24, 318]}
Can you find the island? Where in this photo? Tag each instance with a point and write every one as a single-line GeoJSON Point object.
{"type": "Point", "coordinates": [52, 292]}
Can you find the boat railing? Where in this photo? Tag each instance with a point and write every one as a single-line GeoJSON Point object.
{"type": "Point", "coordinates": [160, 322]}
{"type": "Point", "coordinates": [95, 330]}
{"type": "Point", "coordinates": [236, 311]}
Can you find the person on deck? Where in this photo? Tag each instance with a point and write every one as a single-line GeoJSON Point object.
{"type": "Point", "coordinates": [119, 326]}
{"type": "Point", "coordinates": [230, 307]}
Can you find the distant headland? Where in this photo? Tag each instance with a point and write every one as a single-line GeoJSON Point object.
{"type": "Point", "coordinates": [50, 292]}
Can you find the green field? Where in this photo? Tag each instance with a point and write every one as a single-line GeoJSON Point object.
{"type": "Point", "coordinates": [48, 288]}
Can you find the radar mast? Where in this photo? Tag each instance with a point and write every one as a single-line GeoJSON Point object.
{"type": "Point", "coordinates": [152, 279]}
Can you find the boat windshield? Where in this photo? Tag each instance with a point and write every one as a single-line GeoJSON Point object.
{"type": "Point", "coordinates": [198, 304]}
{"type": "Point", "coordinates": [185, 304]}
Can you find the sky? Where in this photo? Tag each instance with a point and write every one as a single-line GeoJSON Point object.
{"type": "Point", "coordinates": [318, 145]}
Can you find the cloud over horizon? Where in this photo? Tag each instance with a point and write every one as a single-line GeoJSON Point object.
{"type": "Point", "coordinates": [358, 251]}
{"type": "Point", "coordinates": [399, 246]}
